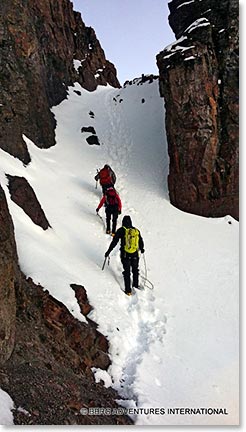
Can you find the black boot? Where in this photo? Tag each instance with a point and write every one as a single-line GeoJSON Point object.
{"type": "Point", "coordinates": [135, 272]}
{"type": "Point", "coordinates": [127, 281]}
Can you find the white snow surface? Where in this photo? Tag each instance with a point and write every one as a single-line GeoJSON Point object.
{"type": "Point", "coordinates": [189, 58]}
{"type": "Point", "coordinates": [185, 4]}
{"type": "Point", "coordinates": [173, 48]}
{"type": "Point", "coordinates": [76, 64]}
{"type": "Point", "coordinates": [171, 347]}
{"type": "Point", "coordinates": [6, 405]}
{"type": "Point", "coordinates": [201, 22]}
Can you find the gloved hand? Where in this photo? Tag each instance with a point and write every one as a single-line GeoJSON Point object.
{"type": "Point", "coordinates": [142, 251]}
{"type": "Point", "coordinates": [119, 212]}
{"type": "Point", "coordinates": [97, 210]}
{"type": "Point", "coordinates": [106, 254]}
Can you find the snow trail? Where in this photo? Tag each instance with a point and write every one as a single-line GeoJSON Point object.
{"type": "Point", "coordinates": [145, 323]}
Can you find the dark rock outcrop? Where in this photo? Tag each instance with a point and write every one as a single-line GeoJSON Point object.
{"type": "Point", "coordinates": [39, 41]}
{"type": "Point", "coordinates": [85, 340]}
{"type": "Point", "coordinates": [92, 69]}
{"type": "Point", "coordinates": [93, 140]}
{"type": "Point", "coordinates": [81, 296]}
{"type": "Point", "coordinates": [199, 81]}
{"type": "Point", "coordinates": [9, 279]}
{"type": "Point", "coordinates": [24, 196]}
{"type": "Point", "coordinates": [140, 81]}
{"type": "Point", "coordinates": [48, 375]}
{"type": "Point", "coordinates": [89, 129]}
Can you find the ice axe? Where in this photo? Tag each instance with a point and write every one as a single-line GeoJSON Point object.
{"type": "Point", "coordinates": [99, 216]}
{"type": "Point", "coordinates": [97, 180]}
{"type": "Point", "coordinates": [104, 262]}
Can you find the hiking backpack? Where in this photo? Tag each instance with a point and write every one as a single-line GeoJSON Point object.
{"type": "Point", "coordinates": [105, 177]}
{"type": "Point", "coordinates": [131, 240]}
{"type": "Point", "coordinates": [111, 197]}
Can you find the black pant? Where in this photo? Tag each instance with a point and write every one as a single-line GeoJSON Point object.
{"type": "Point", "coordinates": [106, 186]}
{"type": "Point", "coordinates": [111, 211]}
{"type": "Point", "coordinates": [130, 261]}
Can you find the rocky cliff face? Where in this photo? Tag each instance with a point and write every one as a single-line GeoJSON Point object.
{"type": "Point", "coordinates": [9, 279]}
{"type": "Point", "coordinates": [45, 46]}
{"type": "Point", "coordinates": [199, 81]}
{"type": "Point", "coordinates": [48, 375]}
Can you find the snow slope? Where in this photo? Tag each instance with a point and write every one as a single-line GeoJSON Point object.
{"type": "Point", "coordinates": [172, 347]}
{"type": "Point", "coordinates": [6, 405]}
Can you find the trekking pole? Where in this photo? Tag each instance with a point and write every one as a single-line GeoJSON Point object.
{"type": "Point", "coordinates": [104, 262]}
{"type": "Point", "coordinates": [97, 180]}
{"type": "Point", "coordinates": [99, 216]}
{"type": "Point", "coordinates": [145, 267]}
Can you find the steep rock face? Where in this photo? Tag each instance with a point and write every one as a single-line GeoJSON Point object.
{"type": "Point", "coordinates": [84, 339]}
{"type": "Point", "coordinates": [48, 375]}
{"type": "Point", "coordinates": [9, 279]}
{"type": "Point", "coordinates": [39, 41]}
{"type": "Point", "coordinates": [92, 68]}
{"type": "Point", "coordinates": [199, 81]}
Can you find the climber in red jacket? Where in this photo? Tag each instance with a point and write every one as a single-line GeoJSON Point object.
{"type": "Point", "coordinates": [113, 207]}
{"type": "Point", "coordinates": [106, 176]}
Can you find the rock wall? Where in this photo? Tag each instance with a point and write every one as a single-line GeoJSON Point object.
{"type": "Point", "coordinates": [48, 375]}
{"type": "Point", "coordinates": [9, 279]}
{"type": "Point", "coordinates": [199, 82]}
{"type": "Point", "coordinates": [39, 41]}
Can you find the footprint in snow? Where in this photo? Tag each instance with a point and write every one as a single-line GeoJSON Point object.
{"type": "Point", "coordinates": [157, 359]}
{"type": "Point", "coordinates": [158, 383]}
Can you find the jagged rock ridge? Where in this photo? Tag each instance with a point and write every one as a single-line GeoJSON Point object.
{"type": "Point", "coordinates": [199, 81]}
{"type": "Point", "coordinates": [9, 279]}
{"type": "Point", "coordinates": [48, 374]}
{"type": "Point", "coordinates": [45, 46]}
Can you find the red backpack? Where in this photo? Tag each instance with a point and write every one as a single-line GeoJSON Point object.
{"type": "Point", "coordinates": [105, 177]}
{"type": "Point", "coordinates": [111, 197]}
